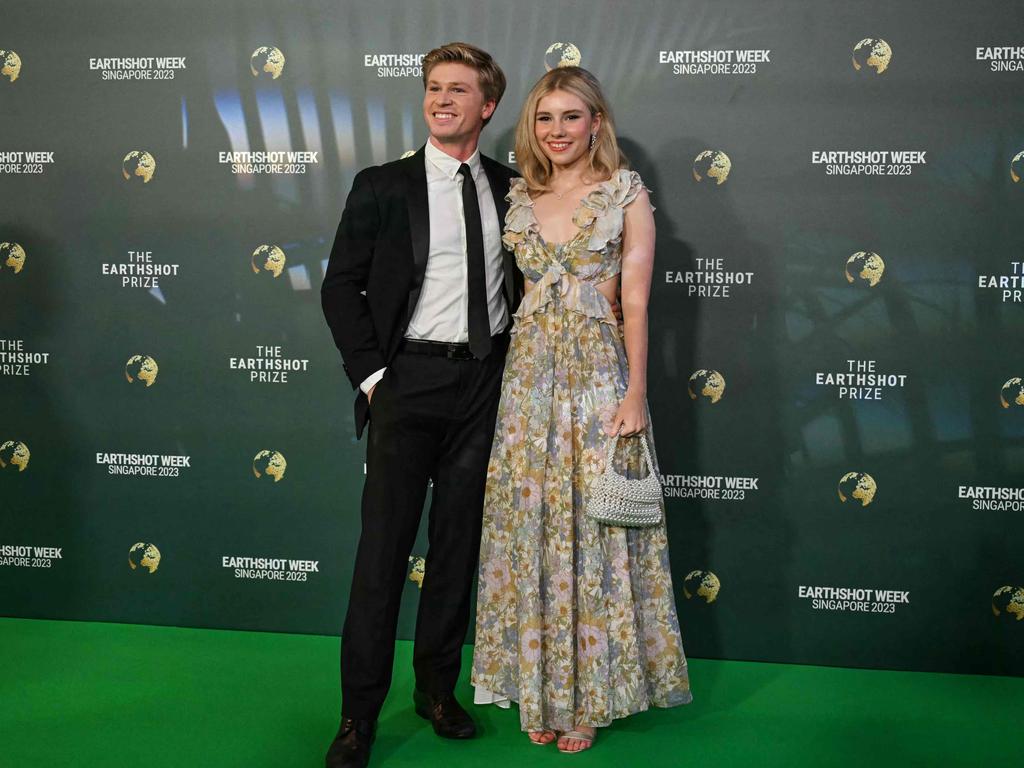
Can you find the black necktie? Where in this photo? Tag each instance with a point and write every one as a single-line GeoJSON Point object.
{"type": "Point", "coordinates": [479, 319]}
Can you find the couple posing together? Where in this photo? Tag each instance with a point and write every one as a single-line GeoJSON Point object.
{"type": "Point", "coordinates": [477, 314]}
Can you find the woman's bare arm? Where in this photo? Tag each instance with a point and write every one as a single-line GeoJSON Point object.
{"type": "Point", "coordinates": [637, 272]}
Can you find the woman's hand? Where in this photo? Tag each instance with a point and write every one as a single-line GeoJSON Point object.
{"type": "Point", "coordinates": [631, 417]}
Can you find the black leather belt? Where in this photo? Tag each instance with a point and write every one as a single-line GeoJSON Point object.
{"type": "Point", "coordinates": [450, 349]}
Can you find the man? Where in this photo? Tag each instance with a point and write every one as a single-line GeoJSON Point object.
{"type": "Point", "coordinates": [418, 296]}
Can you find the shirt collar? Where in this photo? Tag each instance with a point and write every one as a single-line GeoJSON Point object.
{"type": "Point", "coordinates": [448, 165]}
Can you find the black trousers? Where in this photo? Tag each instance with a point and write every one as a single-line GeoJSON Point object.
{"type": "Point", "coordinates": [431, 418]}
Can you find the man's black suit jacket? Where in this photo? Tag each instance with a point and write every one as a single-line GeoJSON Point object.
{"type": "Point", "coordinates": [378, 260]}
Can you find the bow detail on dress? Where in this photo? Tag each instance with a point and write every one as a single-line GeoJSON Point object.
{"type": "Point", "coordinates": [566, 290]}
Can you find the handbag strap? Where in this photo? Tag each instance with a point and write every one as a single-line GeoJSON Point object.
{"type": "Point", "coordinates": [613, 443]}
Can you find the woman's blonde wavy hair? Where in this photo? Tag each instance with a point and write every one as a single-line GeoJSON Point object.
{"type": "Point", "coordinates": [605, 156]}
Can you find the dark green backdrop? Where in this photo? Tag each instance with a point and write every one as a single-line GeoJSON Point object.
{"type": "Point", "coordinates": [782, 225]}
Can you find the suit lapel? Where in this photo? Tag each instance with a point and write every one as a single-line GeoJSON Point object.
{"type": "Point", "coordinates": [499, 185]}
{"type": "Point", "coordinates": [419, 222]}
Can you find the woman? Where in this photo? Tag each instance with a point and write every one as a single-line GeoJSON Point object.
{"type": "Point", "coordinates": [575, 620]}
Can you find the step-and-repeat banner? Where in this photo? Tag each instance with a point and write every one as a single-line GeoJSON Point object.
{"type": "Point", "coordinates": [838, 306]}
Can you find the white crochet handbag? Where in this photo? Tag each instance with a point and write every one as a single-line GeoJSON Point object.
{"type": "Point", "coordinates": [616, 500]}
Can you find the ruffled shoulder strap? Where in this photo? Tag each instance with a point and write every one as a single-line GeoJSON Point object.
{"type": "Point", "coordinates": [519, 220]}
{"type": "Point", "coordinates": [603, 209]}
{"type": "Point", "coordinates": [518, 194]}
{"type": "Point", "coordinates": [628, 185]}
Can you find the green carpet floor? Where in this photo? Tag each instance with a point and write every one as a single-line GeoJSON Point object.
{"type": "Point", "coordinates": [79, 694]}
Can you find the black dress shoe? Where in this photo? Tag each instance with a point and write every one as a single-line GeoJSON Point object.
{"type": "Point", "coordinates": [351, 747]}
{"type": "Point", "coordinates": [449, 719]}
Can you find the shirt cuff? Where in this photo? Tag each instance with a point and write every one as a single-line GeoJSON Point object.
{"type": "Point", "coordinates": [371, 381]}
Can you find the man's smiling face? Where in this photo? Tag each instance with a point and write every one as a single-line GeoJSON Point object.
{"type": "Point", "coordinates": [454, 106]}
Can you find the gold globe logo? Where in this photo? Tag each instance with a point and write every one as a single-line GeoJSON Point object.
{"type": "Point", "coordinates": [1017, 167]}
{"type": "Point", "coordinates": [14, 454]}
{"type": "Point", "coordinates": [138, 163]}
{"type": "Point", "coordinates": [11, 66]}
{"type": "Point", "coordinates": [712, 164]}
{"type": "Point", "coordinates": [144, 557]}
{"type": "Point", "coordinates": [872, 52]}
{"type": "Point", "coordinates": [1012, 392]}
{"type": "Point", "coordinates": [266, 60]}
{"type": "Point", "coordinates": [701, 584]}
{"type": "Point", "coordinates": [706, 383]}
{"type": "Point", "coordinates": [268, 258]}
{"type": "Point", "coordinates": [857, 485]}
{"type": "Point", "coordinates": [866, 266]}
{"type": "Point", "coordinates": [12, 257]}
{"type": "Point", "coordinates": [1008, 600]}
{"type": "Point", "coordinates": [417, 570]}
{"type": "Point", "coordinates": [141, 368]}
{"type": "Point", "coordinates": [562, 55]}
{"type": "Point", "coordinates": [269, 464]}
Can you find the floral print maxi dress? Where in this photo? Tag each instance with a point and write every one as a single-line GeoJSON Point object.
{"type": "Point", "coordinates": [576, 621]}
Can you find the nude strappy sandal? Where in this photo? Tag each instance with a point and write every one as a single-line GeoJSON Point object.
{"type": "Point", "coordinates": [579, 735]}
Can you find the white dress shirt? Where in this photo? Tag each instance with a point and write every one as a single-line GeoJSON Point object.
{"type": "Point", "coordinates": [442, 312]}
